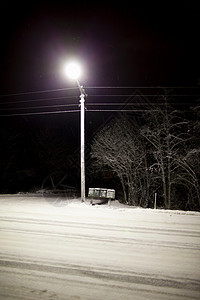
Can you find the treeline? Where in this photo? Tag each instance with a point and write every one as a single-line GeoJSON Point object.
{"type": "Point", "coordinates": [28, 155]}
{"type": "Point", "coordinates": [156, 153]}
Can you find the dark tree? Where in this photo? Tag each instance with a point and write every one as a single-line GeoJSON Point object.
{"type": "Point", "coordinates": [119, 147]}
{"type": "Point", "coordinates": [168, 134]}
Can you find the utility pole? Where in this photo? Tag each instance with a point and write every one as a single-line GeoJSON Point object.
{"type": "Point", "coordinates": [73, 71]}
{"type": "Point", "coordinates": [82, 130]}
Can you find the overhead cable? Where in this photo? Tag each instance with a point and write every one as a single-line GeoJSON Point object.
{"type": "Point", "coordinates": [40, 113]}
{"type": "Point", "coordinates": [98, 87]}
{"type": "Point", "coordinates": [38, 92]}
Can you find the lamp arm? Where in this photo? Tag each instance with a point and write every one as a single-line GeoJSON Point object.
{"type": "Point", "coordinates": [81, 89]}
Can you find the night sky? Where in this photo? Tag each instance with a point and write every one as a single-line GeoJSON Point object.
{"type": "Point", "coordinates": [121, 44]}
{"type": "Point", "coordinates": [130, 44]}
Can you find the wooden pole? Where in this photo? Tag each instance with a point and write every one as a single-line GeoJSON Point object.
{"type": "Point", "coordinates": [155, 200]}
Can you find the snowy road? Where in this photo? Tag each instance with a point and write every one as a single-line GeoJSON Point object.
{"type": "Point", "coordinates": [82, 252]}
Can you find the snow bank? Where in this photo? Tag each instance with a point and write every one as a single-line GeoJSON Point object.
{"type": "Point", "coordinates": [60, 202]}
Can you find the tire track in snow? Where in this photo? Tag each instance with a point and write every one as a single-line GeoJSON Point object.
{"type": "Point", "coordinates": [110, 275]}
{"type": "Point", "coordinates": [78, 270]}
{"type": "Point", "coordinates": [93, 228]}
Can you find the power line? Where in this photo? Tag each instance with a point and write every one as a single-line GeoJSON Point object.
{"type": "Point", "coordinates": [124, 104]}
{"type": "Point", "coordinates": [73, 111]}
{"type": "Point", "coordinates": [120, 110]}
{"type": "Point", "coordinates": [142, 87]}
{"type": "Point", "coordinates": [40, 99]}
{"type": "Point", "coordinates": [144, 95]}
{"type": "Point", "coordinates": [99, 87]}
{"type": "Point", "coordinates": [131, 104]}
{"type": "Point", "coordinates": [40, 113]}
{"type": "Point", "coordinates": [38, 92]}
{"type": "Point", "coordinates": [98, 95]}
{"type": "Point", "coordinates": [37, 107]}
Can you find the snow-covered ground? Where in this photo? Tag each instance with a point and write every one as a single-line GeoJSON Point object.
{"type": "Point", "coordinates": [81, 252]}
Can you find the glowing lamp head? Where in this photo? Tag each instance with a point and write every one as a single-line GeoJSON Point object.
{"type": "Point", "coordinates": [73, 70]}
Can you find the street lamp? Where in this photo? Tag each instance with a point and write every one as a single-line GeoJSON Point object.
{"type": "Point", "coordinates": [73, 71]}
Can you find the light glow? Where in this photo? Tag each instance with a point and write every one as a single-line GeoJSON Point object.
{"type": "Point", "coordinates": [72, 70]}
